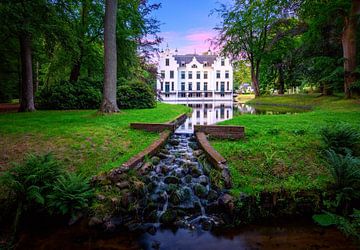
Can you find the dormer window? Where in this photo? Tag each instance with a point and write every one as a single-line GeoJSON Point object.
{"type": "Point", "coordinates": [182, 64]}
{"type": "Point", "coordinates": [222, 62]}
{"type": "Point", "coordinates": [205, 64]}
{"type": "Point", "coordinates": [167, 62]}
{"type": "Point", "coordinates": [194, 66]}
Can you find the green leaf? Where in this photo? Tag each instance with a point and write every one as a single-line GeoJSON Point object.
{"type": "Point", "coordinates": [324, 220]}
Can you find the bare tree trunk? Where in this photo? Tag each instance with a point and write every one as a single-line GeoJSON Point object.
{"type": "Point", "coordinates": [75, 71]}
{"type": "Point", "coordinates": [349, 47]}
{"type": "Point", "coordinates": [255, 80]}
{"type": "Point", "coordinates": [281, 80]}
{"type": "Point", "coordinates": [109, 104]}
{"type": "Point", "coordinates": [27, 92]}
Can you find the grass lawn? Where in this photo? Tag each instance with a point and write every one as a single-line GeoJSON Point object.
{"type": "Point", "coordinates": [284, 151]}
{"type": "Point", "coordinates": [85, 141]}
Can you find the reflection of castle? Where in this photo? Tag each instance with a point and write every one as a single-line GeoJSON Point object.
{"type": "Point", "coordinates": [194, 77]}
{"type": "Point", "coordinates": [206, 113]}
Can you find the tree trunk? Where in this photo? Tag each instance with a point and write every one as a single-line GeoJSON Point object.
{"type": "Point", "coordinates": [27, 92]}
{"type": "Point", "coordinates": [349, 48]}
{"type": "Point", "coordinates": [75, 71]}
{"type": "Point", "coordinates": [255, 80]}
{"type": "Point", "coordinates": [281, 81]}
{"type": "Point", "coordinates": [109, 104]}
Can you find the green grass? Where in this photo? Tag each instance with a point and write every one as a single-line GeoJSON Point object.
{"type": "Point", "coordinates": [87, 142]}
{"type": "Point", "coordinates": [284, 151]}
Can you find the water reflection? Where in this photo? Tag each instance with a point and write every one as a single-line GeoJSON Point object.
{"type": "Point", "coordinates": [206, 113]}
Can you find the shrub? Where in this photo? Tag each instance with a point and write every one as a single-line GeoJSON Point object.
{"type": "Point", "coordinates": [71, 193]}
{"type": "Point", "coordinates": [83, 94]}
{"type": "Point", "coordinates": [342, 138]}
{"type": "Point", "coordinates": [135, 95]}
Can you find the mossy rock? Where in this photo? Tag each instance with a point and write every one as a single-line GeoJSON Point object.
{"type": "Point", "coordinates": [169, 217]}
{"type": "Point", "coordinates": [200, 190]}
{"type": "Point", "coordinates": [171, 180]}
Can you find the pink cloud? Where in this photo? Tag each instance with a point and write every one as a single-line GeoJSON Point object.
{"type": "Point", "coordinates": [200, 36]}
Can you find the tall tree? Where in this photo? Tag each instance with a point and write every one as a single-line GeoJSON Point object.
{"type": "Point", "coordinates": [109, 104]}
{"type": "Point", "coordinates": [349, 47]}
{"type": "Point", "coordinates": [245, 28]}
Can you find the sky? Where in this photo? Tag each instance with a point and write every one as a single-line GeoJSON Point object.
{"type": "Point", "coordinates": [187, 25]}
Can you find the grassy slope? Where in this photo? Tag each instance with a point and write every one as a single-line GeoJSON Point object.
{"type": "Point", "coordinates": [85, 140]}
{"type": "Point", "coordinates": [283, 151]}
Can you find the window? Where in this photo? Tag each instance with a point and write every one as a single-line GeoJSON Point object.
{"type": "Point", "coordinates": [222, 62]}
{"type": "Point", "coordinates": [167, 95]}
{"type": "Point", "coordinates": [198, 114]}
{"type": "Point", "coordinates": [194, 66]}
{"type": "Point", "coordinates": [206, 94]}
{"type": "Point", "coordinates": [227, 86]}
{"type": "Point", "coordinates": [182, 64]}
{"type": "Point", "coordinates": [190, 86]}
{"type": "Point", "coordinates": [190, 75]}
{"type": "Point", "coordinates": [197, 74]}
{"type": "Point", "coordinates": [172, 86]}
{"type": "Point", "coordinates": [198, 94]}
{"type": "Point", "coordinates": [205, 75]}
{"type": "Point", "coordinates": [189, 125]}
{"type": "Point", "coordinates": [162, 74]}
{"type": "Point", "coordinates": [197, 86]}
{"type": "Point", "coordinates": [227, 114]}
{"type": "Point", "coordinates": [162, 86]}
{"type": "Point", "coordinates": [218, 74]}
{"type": "Point", "coordinates": [167, 87]}
{"type": "Point", "coordinates": [167, 62]}
{"type": "Point", "coordinates": [217, 114]}
{"type": "Point", "coordinates": [227, 74]}
{"type": "Point", "coordinates": [205, 113]}
{"type": "Point", "coordinates": [205, 64]}
{"type": "Point", "coordinates": [217, 86]}
{"type": "Point", "coordinates": [182, 95]}
{"type": "Point", "coordinates": [171, 74]}
{"type": "Point", "coordinates": [182, 86]}
{"type": "Point", "coordinates": [222, 88]}
{"type": "Point", "coordinates": [205, 86]}
{"type": "Point", "coordinates": [182, 74]}
{"type": "Point", "coordinates": [190, 94]}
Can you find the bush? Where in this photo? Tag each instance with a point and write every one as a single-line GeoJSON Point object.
{"type": "Point", "coordinates": [342, 138]}
{"type": "Point", "coordinates": [83, 94]}
{"type": "Point", "coordinates": [71, 193]}
{"type": "Point", "coordinates": [135, 95]}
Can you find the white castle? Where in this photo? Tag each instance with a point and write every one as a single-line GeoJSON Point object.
{"type": "Point", "coordinates": [192, 78]}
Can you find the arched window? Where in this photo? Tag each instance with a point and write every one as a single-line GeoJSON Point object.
{"type": "Point", "coordinates": [194, 66]}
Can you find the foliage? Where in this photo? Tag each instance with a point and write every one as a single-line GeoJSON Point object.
{"type": "Point", "coordinates": [345, 171]}
{"type": "Point", "coordinates": [342, 138]}
{"type": "Point", "coordinates": [84, 94]}
{"type": "Point", "coordinates": [31, 180]}
{"type": "Point", "coordinates": [350, 226]}
{"type": "Point", "coordinates": [70, 194]}
{"type": "Point", "coordinates": [135, 95]}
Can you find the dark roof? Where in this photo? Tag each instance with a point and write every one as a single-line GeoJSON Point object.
{"type": "Point", "coordinates": [200, 58]}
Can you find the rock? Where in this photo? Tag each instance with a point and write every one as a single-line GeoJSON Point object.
{"type": "Point", "coordinates": [203, 180]}
{"type": "Point", "coordinates": [212, 195]}
{"type": "Point", "coordinates": [206, 225]}
{"type": "Point", "coordinates": [95, 221]}
{"type": "Point", "coordinates": [163, 156]}
{"type": "Point", "coordinates": [171, 188]}
{"type": "Point", "coordinates": [123, 184]}
{"type": "Point", "coordinates": [198, 152]}
{"type": "Point", "coordinates": [146, 167]}
{"type": "Point", "coordinates": [109, 227]}
{"type": "Point", "coordinates": [188, 178]}
{"type": "Point", "coordinates": [194, 171]}
{"type": "Point", "coordinates": [165, 151]}
{"type": "Point", "coordinates": [151, 186]}
{"type": "Point", "coordinates": [155, 160]}
{"type": "Point", "coordinates": [227, 202]}
{"type": "Point", "coordinates": [173, 142]}
{"type": "Point", "coordinates": [171, 180]}
{"type": "Point", "coordinates": [225, 174]}
{"type": "Point", "coordinates": [169, 217]}
{"type": "Point", "coordinates": [151, 230]}
{"type": "Point", "coordinates": [200, 190]}
{"type": "Point", "coordinates": [155, 244]}
{"type": "Point", "coordinates": [115, 201]}
{"type": "Point", "coordinates": [164, 169]}
{"type": "Point", "coordinates": [193, 146]}
{"type": "Point", "coordinates": [175, 198]}
{"type": "Point", "coordinates": [100, 197]}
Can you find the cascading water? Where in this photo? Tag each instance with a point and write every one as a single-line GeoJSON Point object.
{"type": "Point", "coordinates": [180, 186]}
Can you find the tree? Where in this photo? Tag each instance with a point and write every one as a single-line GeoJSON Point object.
{"type": "Point", "coordinates": [245, 28]}
{"type": "Point", "coordinates": [349, 47]}
{"type": "Point", "coordinates": [109, 104]}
